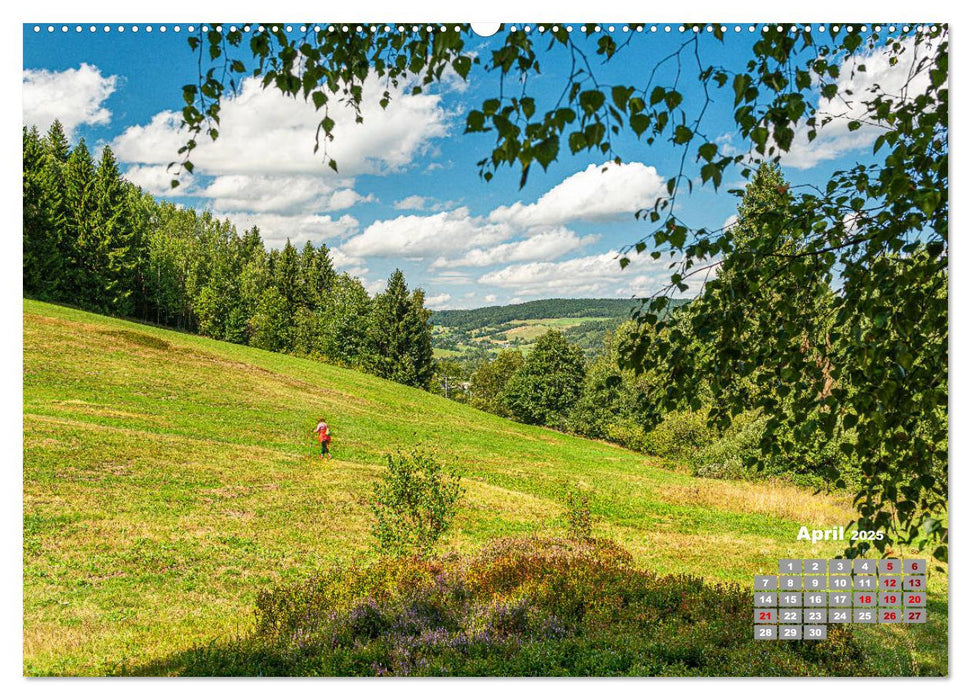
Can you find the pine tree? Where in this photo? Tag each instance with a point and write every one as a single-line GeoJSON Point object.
{"type": "Point", "coordinates": [399, 335]}
{"type": "Point", "coordinates": [36, 244]}
{"type": "Point", "coordinates": [51, 249]}
{"type": "Point", "coordinates": [317, 271]}
{"type": "Point", "coordinates": [114, 249]}
{"type": "Point", "coordinates": [81, 273]}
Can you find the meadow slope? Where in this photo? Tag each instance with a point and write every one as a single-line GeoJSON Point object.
{"type": "Point", "coordinates": [167, 479]}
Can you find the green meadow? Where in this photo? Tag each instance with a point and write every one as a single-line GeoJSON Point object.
{"type": "Point", "coordinates": [168, 478]}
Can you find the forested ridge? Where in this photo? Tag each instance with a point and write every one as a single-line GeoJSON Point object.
{"type": "Point", "coordinates": [470, 319]}
{"type": "Point", "coordinates": [94, 240]}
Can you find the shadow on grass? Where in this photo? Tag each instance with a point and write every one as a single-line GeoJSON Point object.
{"type": "Point", "coordinates": [520, 607]}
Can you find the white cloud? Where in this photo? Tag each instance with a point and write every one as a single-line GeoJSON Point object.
{"type": "Point", "coordinates": [418, 203]}
{"type": "Point", "coordinates": [413, 203]}
{"type": "Point", "coordinates": [156, 180]}
{"type": "Point", "coordinates": [541, 246]}
{"type": "Point", "coordinates": [417, 237]}
{"type": "Point", "coordinates": [607, 192]}
{"type": "Point", "coordinates": [880, 77]}
{"type": "Point", "coordinates": [593, 275]}
{"type": "Point", "coordinates": [437, 301]}
{"type": "Point", "coordinates": [280, 193]}
{"type": "Point", "coordinates": [299, 228]}
{"type": "Point", "coordinates": [263, 132]}
{"type": "Point", "coordinates": [75, 96]}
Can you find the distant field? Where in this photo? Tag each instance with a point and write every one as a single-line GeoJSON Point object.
{"type": "Point", "coordinates": [167, 478]}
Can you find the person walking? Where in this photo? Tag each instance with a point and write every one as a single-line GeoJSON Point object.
{"type": "Point", "coordinates": [323, 437]}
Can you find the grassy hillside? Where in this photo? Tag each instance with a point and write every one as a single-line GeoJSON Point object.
{"type": "Point", "coordinates": [167, 479]}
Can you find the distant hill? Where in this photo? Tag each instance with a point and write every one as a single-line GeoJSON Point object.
{"type": "Point", "coordinates": [469, 319]}
{"type": "Point", "coordinates": [470, 332]}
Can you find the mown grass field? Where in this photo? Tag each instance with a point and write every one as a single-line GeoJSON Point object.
{"type": "Point", "coordinates": [167, 478]}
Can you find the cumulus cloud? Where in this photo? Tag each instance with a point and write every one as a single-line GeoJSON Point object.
{"type": "Point", "coordinates": [592, 275]}
{"type": "Point", "coordinates": [854, 89]}
{"type": "Point", "coordinates": [264, 132]}
{"type": "Point", "coordinates": [418, 203]}
{"type": "Point", "coordinates": [281, 193]}
{"type": "Point", "coordinates": [542, 246]}
{"type": "Point", "coordinates": [607, 192]}
{"type": "Point", "coordinates": [437, 301]}
{"type": "Point", "coordinates": [75, 96]}
{"type": "Point", "coordinates": [413, 203]}
{"type": "Point", "coordinates": [275, 229]}
{"type": "Point", "coordinates": [157, 180]}
{"type": "Point", "coordinates": [416, 237]}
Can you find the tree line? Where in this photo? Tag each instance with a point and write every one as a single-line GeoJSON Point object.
{"type": "Point", "coordinates": [94, 240]}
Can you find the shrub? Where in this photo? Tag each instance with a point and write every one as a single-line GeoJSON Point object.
{"type": "Point", "coordinates": [579, 520]}
{"type": "Point", "coordinates": [414, 504]}
{"type": "Point", "coordinates": [518, 607]}
{"type": "Point", "coordinates": [628, 433]}
{"type": "Point", "coordinates": [679, 435]}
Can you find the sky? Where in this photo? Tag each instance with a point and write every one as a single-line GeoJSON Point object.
{"type": "Point", "coordinates": [408, 193]}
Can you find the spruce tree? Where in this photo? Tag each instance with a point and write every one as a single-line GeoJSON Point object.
{"type": "Point", "coordinates": [114, 249]}
{"type": "Point", "coordinates": [51, 247]}
{"type": "Point", "coordinates": [82, 273]}
{"type": "Point", "coordinates": [37, 248]}
{"type": "Point", "coordinates": [399, 335]}
{"type": "Point", "coordinates": [317, 271]}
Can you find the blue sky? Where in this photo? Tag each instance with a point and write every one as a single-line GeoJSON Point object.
{"type": "Point", "coordinates": [408, 193]}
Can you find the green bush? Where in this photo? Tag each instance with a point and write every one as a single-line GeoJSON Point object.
{"type": "Point", "coordinates": [578, 517]}
{"type": "Point", "coordinates": [628, 433]}
{"type": "Point", "coordinates": [679, 435]}
{"type": "Point", "coordinates": [519, 607]}
{"type": "Point", "coordinates": [414, 504]}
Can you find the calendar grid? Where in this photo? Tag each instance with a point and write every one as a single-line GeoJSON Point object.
{"type": "Point", "coordinates": [805, 596]}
